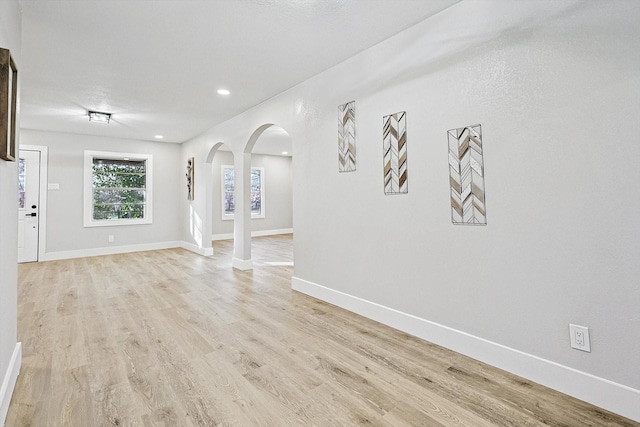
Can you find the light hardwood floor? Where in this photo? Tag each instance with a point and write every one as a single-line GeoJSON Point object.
{"type": "Point", "coordinates": [170, 338]}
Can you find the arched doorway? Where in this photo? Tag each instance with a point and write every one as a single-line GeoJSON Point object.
{"type": "Point", "coordinates": [220, 201]}
{"type": "Point", "coordinates": [268, 196]}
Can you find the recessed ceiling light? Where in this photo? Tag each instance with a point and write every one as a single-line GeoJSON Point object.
{"type": "Point", "coordinates": [158, 137]}
{"type": "Point", "coordinates": [285, 152]}
{"type": "Point", "coordinates": [223, 92]}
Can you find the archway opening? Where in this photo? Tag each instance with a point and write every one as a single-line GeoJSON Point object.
{"type": "Point", "coordinates": [222, 207]}
{"type": "Point", "coordinates": [271, 198]}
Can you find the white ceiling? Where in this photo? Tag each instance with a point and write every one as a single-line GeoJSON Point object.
{"type": "Point", "coordinates": [156, 64]}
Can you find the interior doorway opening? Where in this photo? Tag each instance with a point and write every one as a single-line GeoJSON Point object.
{"type": "Point", "coordinates": [32, 202]}
{"type": "Point", "coordinates": [222, 193]}
{"type": "Point", "coordinates": [271, 198]}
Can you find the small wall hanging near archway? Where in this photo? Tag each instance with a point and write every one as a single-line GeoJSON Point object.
{"type": "Point", "coordinates": [190, 176]}
{"type": "Point", "coordinates": [466, 173]}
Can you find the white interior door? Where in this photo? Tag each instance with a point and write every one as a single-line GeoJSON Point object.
{"type": "Point", "coordinates": [28, 209]}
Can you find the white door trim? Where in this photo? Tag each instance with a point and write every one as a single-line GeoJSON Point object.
{"type": "Point", "coordinates": [42, 202]}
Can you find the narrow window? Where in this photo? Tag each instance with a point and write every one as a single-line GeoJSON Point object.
{"type": "Point", "coordinates": [22, 173]}
{"type": "Point", "coordinates": [257, 202]}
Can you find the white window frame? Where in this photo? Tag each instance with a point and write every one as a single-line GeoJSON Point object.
{"type": "Point", "coordinates": [263, 210]}
{"type": "Point", "coordinates": [88, 188]}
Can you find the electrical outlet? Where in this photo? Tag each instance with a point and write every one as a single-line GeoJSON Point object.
{"type": "Point", "coordinates": [111, 238]}
{"type": "Point", "coordinates": [579, 336]}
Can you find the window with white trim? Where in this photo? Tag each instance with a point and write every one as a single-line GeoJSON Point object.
{"type": "Point", "coordinates": [257, 201]}
{"type": "Point", "coordinates": [117, 188]}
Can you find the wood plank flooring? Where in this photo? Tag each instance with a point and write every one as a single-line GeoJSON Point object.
{"type": "Point", "coordinates": [170, 338]}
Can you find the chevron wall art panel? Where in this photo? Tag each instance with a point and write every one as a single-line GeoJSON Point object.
{"type": "Point", "coordinates": [466, 176]}
{"type": "Point", "coordinates": [394, 147]}
{"type": "Point", "coordinates": [347, 137]}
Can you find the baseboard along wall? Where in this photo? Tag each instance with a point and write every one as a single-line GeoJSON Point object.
{"type": "Point", "coordinates": [111, 250]}
{"type": "Point", "coordinates": [614, 397]}
{"type": "Point", "coordinates": [196, 249]}
{"type": "Point", "coordinates": [9, 381]}
{"type": "Point", "coordinates": [261, 233]}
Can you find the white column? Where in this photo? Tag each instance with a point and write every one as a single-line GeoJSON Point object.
{"type": "Point", "coordinates": [242, 218]}
{"type": "Point", "coordinates": [207, 228]}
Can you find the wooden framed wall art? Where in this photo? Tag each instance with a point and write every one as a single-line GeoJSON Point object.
{"type": "Point", "coordinates": [8, 103]}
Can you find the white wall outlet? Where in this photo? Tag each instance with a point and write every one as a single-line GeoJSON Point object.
{"type": "Point", "coordinates": [579, 336]}
{"type": "Point", "coordinates": [111, 238]}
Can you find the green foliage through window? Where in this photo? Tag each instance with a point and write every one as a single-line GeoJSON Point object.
{"type": "Point", "coordinates": [22, 174]}
{"type": "Point", "coordinates": [119, 189]}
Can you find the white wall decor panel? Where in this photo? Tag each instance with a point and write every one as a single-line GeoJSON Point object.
{"type": "Point", "coordinates": [347, 137]}
{"type": "Point", "coordinates": [394, 147]}
{"type": "Point", "coordinates": [466, 176]}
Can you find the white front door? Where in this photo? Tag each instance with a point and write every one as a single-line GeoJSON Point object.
{"type": "Point", "coordinates": [28, 199]}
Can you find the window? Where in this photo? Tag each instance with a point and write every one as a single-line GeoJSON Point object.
{"type": "Point", "coordinates": [117, 188]}
{"type": "Point", "coordinates": [257, 192]}
{"type": "Point", "coordinates": [21, 183]}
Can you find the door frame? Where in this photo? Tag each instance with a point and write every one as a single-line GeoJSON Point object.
{"type": "Point", "coordinates": [42, 197]}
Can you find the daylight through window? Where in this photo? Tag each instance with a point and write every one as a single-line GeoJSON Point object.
{"type": "Point", "coordinates": [257, 192]}
{"type": "Point", "coordinates": [22, 173]}
{"type": "Point", "coordinates": [117, 187]}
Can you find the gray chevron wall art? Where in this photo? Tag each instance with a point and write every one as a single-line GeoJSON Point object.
{"type": "Point", "coordinates": [394, 148]}
{"type": "Point", "coordinates": [347, 137]}
{"type": "Point", "coordinates": [466, 176]}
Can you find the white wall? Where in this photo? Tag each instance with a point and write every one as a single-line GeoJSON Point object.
{"type": "Point", "coordinates": [555, 85]}
{"type": "Point", "coordinates": [10, 38]}
{"type": "Point", "coordinates": [65, 231]}
{"type": "Point", "coordinates": [278, 193]}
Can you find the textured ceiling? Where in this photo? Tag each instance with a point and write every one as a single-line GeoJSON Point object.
{"type": "Point", "coordinates": [156, 64]}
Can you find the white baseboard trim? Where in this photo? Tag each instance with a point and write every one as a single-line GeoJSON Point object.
{"type": "Point", "coordinates": [195, 248]}
{"type": "Point", "coordinates": [614, 397]}
{"type": "Point", "coordinates": [9, 381]}
{"type": "Point", "coordinates": [109, 250]}
{"type": "Point", "coordinates": [272, 232]}
{"type": "Point", "coordinates": [229, 236]}
{"type": "Point", "coordinates": [241, 264]}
